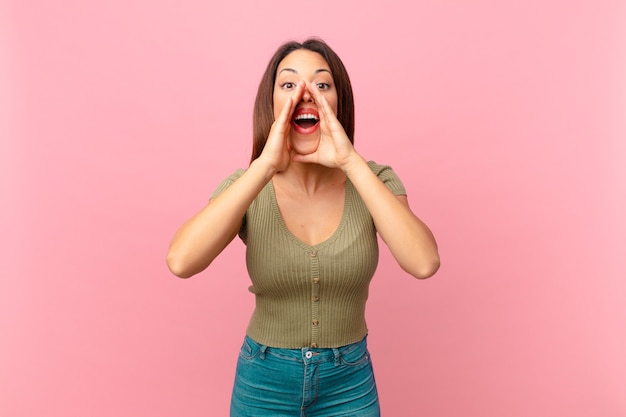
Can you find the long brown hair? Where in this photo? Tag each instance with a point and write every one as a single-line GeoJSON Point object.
{"type": "Point", "coordinates": [263, 115]}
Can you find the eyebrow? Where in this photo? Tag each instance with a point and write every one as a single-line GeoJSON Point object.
{"type": "Point", "coordinates": [317, 71]}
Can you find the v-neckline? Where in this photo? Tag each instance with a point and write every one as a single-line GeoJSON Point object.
{"type": "Point", "coordinates": [283, 226]}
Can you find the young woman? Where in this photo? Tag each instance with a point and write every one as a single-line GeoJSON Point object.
{"type": "Point", "coordinates": [308, 208]}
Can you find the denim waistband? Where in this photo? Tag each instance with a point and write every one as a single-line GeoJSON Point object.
{"type": "Point", "coordinates": [308, 353]}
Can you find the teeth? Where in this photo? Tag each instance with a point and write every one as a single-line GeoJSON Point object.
{"type": "Point", "coordinates": [306, 117]}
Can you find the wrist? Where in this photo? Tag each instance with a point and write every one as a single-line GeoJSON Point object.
{"type": "Point", "coordinates": [351, 164]}
{"type": "Point", "coordinates": [267, 170]}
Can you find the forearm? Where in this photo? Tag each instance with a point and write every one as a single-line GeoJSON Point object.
{"type": "Point", "coordinates": [410, 241]}
{"type": "Point", "coordinates": [199, 240]}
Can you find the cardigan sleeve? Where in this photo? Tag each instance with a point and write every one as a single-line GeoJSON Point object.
{"type": "Point", "coordinates": [387, 175]}
{"type": "Point", "coordinates": [227, 182]}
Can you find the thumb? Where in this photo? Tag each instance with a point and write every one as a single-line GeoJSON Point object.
{"type": "Point", "coordinates": [311, 158]}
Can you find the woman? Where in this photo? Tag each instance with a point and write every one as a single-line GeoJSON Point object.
{"type": "Point", "coordinates": [308, 208]}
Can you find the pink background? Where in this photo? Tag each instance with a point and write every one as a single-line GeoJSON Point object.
{"type": "Point", "coordinates": [505, 119]}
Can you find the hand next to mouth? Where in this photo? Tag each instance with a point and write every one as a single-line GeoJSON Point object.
{"type": "Point", "coordinates": [277, 151]}
{"type": "Point", "coordinates": [335, 149]}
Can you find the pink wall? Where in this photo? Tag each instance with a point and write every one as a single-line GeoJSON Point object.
{"type": "Point", "coordinates": [505, 119]}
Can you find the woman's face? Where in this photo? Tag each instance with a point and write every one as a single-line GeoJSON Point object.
{"type": "Point", "coordinates": [310, 66]}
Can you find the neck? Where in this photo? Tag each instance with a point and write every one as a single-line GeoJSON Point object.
{"type": "Point", "coordinates": [310, 177]}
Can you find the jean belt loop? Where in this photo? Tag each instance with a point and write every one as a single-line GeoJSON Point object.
{"type": "Point", "coordinates": [337, 355]}
{"type": "Point", "coordinates": [262, 349]}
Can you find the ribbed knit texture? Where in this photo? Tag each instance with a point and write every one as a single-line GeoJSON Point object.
{"type": "Point", "coordinates": [310, 295]}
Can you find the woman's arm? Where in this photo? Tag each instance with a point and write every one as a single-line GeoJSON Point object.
{"type": "Point", "coordinates": [200, 239]}
{"type": "Point", "coordinates": [410, 241]}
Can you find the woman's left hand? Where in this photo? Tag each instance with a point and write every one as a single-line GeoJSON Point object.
{"type": "Point", "coordinates": [335, 149]}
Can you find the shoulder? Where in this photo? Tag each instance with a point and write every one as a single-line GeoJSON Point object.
{"type": "Point", "coordinates": [378, 168]}
{"type": "Point", "coordinates": [226, 182]}
{"type": "Point", "coordinates": [388, 176]}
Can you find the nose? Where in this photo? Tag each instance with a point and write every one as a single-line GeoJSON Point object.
{"type": "Point", "coordinates": [307, 97]}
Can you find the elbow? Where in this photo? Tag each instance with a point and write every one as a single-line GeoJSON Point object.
{"type": "Point", "coordinates": [184, 264]}
{"type": "Point", "coordinates": [425, 269]}
{"type": "Point", "coordinates": [177, 267]}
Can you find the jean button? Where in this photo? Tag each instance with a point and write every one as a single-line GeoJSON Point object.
{"type": "Point", "coordinates": [309, 354]}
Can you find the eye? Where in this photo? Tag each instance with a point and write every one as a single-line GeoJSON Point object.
{"type": "Point", "coordinates": [323, 86]}
{"type": "Point", "coordinates": [288, 85]}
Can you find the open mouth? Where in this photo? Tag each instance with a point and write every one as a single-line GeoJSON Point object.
{"type": "Point", "coordinates": [305, 120]}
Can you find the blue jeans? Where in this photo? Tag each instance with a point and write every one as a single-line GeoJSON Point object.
{"type": "Point", "coordinates": [308, 382]}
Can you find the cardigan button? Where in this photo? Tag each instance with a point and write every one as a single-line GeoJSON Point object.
{"type": "Point", "coordinates": [313, 345]}
{"type": "Point", "coordinates": [316, 298]}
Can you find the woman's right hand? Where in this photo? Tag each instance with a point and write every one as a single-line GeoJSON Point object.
{"type": "Point", "coordinates": [277, 151]}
